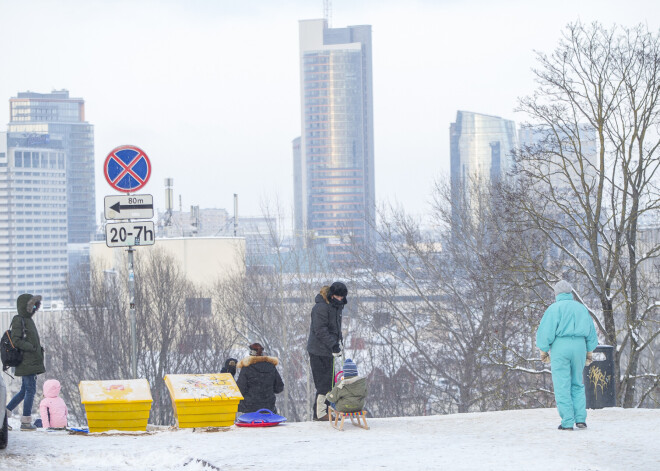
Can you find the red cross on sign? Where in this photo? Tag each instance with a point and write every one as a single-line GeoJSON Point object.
{"type": "Point", "coordinates": [127, 168]}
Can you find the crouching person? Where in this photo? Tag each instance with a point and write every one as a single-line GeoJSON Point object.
{"type": "Point", "coordinates": [350, 393]}
{"type": "Point", "coordinates": [258, 381]}
{"type": "Point", "coordinates": [52, 408]}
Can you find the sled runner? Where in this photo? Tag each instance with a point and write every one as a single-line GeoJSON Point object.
{"type": "Point", "coordinates": [256, 424]}
{"type": "Point", "coordinates": [360, 417]}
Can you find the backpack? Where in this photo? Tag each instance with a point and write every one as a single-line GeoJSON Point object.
{"type": "Point", "coordinates": [9, 354]}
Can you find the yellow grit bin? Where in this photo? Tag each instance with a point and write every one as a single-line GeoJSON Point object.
{"type": "Point", "coordinates": [204, 400]}
{"type": "Point", "coordinates": [116, 405]}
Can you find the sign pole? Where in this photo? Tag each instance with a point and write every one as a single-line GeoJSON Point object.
{"type": "Point", "coordinates": [131, 300]}
{"type": "Point", "coordinates": [127, 169]}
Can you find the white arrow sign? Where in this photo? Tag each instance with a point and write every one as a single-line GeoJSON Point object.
{"type": "Point", "coordinates": [129, 207]}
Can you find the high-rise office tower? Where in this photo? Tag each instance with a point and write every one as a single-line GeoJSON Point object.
{"type": "Point", "coordinates": [56, 121]}
{"type": "Point", "coordinates": [334, 156]}
{"type": "Point", "coordinates": [481, 152]}
{"type": "Point", "coordinates": [33, 222]}
{"type": "Point", "coordinates": [47, 193]}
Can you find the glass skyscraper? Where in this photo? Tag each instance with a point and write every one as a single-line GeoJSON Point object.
{"type": "Point", "coordinates": [33, 222]}
{"type": "Point", "coordinates": [47, 194]}
{"type": "Point", "coordinates": [56, 121]}
{"type": "Point", "coordinates": [481, 152]}
{"type": "Point", "coordinates": [334, 157]}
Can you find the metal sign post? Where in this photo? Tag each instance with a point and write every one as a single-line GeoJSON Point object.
{"type": "Point", "coordinates": [127, 169]}
{"type": "Point", "coordinates": [131, 304]}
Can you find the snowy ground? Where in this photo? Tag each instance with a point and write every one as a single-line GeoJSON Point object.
{"type": "Point", "coordinates": [616, 439]}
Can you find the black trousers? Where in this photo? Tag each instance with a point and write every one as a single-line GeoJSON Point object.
{"type": "Point", "coordinates": [322, 375]}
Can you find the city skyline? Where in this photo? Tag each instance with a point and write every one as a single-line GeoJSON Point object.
{"type": "Point", "coordinates": [182, 80]}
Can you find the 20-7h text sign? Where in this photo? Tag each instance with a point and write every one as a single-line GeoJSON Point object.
{"type": "Point", "coordinates": [125, 234]}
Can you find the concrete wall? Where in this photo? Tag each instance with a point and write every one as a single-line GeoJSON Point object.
{"type": "Point", "coordinates": [204, 260]}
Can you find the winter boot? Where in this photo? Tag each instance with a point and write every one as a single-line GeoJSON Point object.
{"type": "Point", "coordinates": [8, 416]}
{"type": "Point", "coordinates": [581, 425]}
{"type": "Point", "coordinates": [564, 428]}
{"type": "Point", "coordinates": [321, 408]}
{"type": "Point", "coordinates": [26, 423]}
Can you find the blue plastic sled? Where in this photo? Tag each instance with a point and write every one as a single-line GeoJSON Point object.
{"type": "Point", "coordinates": [78, 430]}
{"type": "Point", "coordinates": [261, 418]}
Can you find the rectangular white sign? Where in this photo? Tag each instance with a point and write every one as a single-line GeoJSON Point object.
{"type": "Point", "coordinates": [128, 207]}
{"type": "Point", "coordinates": [125, 234]}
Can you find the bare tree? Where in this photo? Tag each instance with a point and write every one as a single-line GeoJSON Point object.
{"type": "Point", "coordinates": [450, 304]}
{"type": "Point", "coordinates": [590, 175]}
{"type": "Point", "coordinates": [178, 332]}
{"type": "Point", "coordinates": [271, 302]}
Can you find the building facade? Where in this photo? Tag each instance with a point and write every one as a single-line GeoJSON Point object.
{"type": "Point", "coordinates": [33, 222]}
{"type": "Point", "coordinates": [203, 260]}
{"type": "Point", "coordinates": [334, 156]}
{"type": "Point", "coordinates": [47, 195]}
{"type": "Point", "coordinates": [56, 122]}
{"type": "Point", "coordinates": [481, 152]}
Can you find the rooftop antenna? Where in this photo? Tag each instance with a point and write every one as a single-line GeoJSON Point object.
{"type": "Point", "coordinates": [235, 214]}
{"type": "Point", "coordinates": [169, 200]}
{"type": "Point", "coordinates": [327, 12]}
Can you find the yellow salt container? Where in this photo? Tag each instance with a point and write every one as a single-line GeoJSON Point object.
{"type": "Point", "coordinates": [204, 400]}
{"type": "Point", "coordinates": [116, 405]}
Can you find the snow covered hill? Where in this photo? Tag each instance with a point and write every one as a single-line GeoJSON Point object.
{"type": "Point", "coordinates": [617, 439]}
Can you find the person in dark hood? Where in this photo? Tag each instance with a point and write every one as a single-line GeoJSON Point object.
{"type": "Point", "coordinates": [325, 341]}
{"type": "Point", "coordinates": [25, 337]}
{"type": "Point", "coordinates": [258, 381]}
{"type": "Point", "coordinates": [230, 366]}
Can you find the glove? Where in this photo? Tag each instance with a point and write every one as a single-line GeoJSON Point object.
{"type": "Point", "coordinates": [545, 357]}
{"type": "Point", "coordinates": [336, 350]}
{"type": "Point", "coordinates": [590, 358]}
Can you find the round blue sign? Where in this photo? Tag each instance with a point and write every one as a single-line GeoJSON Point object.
{"type": "Point", "coordinates": [127, 168]}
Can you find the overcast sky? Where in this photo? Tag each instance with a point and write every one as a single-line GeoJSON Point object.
{"type": "Point", "coordinates": [210, 89]}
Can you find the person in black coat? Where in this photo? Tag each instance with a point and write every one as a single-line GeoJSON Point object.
{"type": "Point", "coordinates": [230, 366]}
{"type": "Point", "coordinates": [258, 381]}
{"type": "Point", "coordinates": [325, 340]}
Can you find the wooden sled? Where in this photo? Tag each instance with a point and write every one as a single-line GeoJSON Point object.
{"type": "Point", "coordinates": [360, 417]}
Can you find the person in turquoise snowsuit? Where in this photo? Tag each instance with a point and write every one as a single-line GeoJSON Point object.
{"type": "Point", "coordinates": [566, 337]}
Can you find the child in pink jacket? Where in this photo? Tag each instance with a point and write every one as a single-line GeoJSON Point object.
{"type": "Point", "coordinates": [52, 407]}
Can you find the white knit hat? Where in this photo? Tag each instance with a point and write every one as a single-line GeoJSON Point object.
{"type": "Point", "coordinates": [562, 286]}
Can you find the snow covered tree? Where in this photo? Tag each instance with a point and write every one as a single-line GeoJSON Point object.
{"type": "Point", "coordinates": [448, 305]}
{"type": "Point", "coordinates": [588, 173]}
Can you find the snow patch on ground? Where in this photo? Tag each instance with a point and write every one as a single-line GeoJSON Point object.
{"type": "Point", "coordinates": [616, 439]}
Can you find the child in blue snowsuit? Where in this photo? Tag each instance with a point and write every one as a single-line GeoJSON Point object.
{"type": "Point", "coordinates": [567, 337]}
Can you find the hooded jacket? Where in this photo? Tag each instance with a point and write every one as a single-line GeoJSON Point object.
{"type": "Point", "coordinates": [52, 408]}
{"type": "Point", "coordinates": [349, 394]}
{"type": "Point", "coordinates": [566, 318]}
{"type": "Point", "coordinates": [230, 366]}
{"type": "Point", "coordinates": [325, 328]}
{"type": "Point", "coordinates": [258, 382]}
{"type": "Point", "coordinates": [33, 355]}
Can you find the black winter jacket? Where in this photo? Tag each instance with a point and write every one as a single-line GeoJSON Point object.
{"type": "Point", "coordinates": [259, 381]}
{"type": "Point", "coordinates": [325, 329]}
